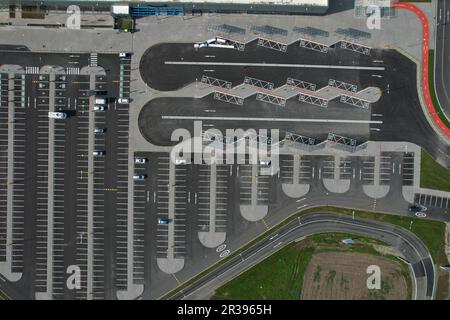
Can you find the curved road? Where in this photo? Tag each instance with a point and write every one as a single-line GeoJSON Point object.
{"type": "Point", "coordinates": [425, 46]}
{"type": "Point", "coordinates": [442, 58]}
{"type": "Point", "coordinates": [404, 241]}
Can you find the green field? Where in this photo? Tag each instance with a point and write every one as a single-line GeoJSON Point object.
{"type": "Point", "coordinates": [280, 276]}
{"type": "Point", "coordinates": [432, 174]}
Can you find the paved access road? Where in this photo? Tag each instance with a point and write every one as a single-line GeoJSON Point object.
{"type": "Point", "coordinates": [408, 244]}
{"type": "Point", "coordinates": [441, 77]}
{"type": "Point", "coordinates": [425, 46]}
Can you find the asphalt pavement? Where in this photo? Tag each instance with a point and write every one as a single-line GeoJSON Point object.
{"type": "Point", "coordinates": [442, 56]}
{"type": "Point", "coordinates": [398, 108]}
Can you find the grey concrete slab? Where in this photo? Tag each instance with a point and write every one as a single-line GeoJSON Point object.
{"type": "Point", "coordinates": [376, 190]}
{"type": "Point", "coordinates": [296, 189]}
{"type": "Point", "coordinates": [254, 212]}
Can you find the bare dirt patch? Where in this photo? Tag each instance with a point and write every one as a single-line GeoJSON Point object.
{"type": "Point", "coordinates": [342, 276]}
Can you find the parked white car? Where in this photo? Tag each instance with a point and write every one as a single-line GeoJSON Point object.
{"type": "Point", "coordinates": [140, 160]}
{"type": "Point", "coordinates": [139, 177]}
{"type": "Point", "coordinates": [57, 115]}
{"type": "Point", "coordinates": [99, 153]}
{"type": "Point", "coordinates": [99, 108]}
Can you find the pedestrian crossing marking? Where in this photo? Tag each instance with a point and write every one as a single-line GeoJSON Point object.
{"type": "Point", "coordinates": [265, 224]}
{"type": "Point", "coordinates": [32, 70]}
{"type": "Point", "coordinates": [72, 71]}
{"type": "Point", "coordinates": [94, 59]}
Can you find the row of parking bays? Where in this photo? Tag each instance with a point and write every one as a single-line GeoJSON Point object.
{"type": "Point", "coordinates": [205, 200]}
{"type": "Point", "coordinates": [408, 169]}
{"type": "Point", "coordinates": [41, 105]}
{"type": "Point", "coordinates": [81, 252]}
{"type": "Point", "coordinates": [99, 200]}
{"type": "Point", "coordinates": [248, 176]}
{"type": "Point", "coordinates": [357, 168]}
{"type": "Point", "coordinates": [122, 195]}
{"type": "Point", "coordinates": [197, 194]}
{"type": "Point", "coordinates": [432, 201]}
{"type": "Point", "coordinates": [163, 202]}
{"type": "Point", "coordinates": [350, 168]}
{"type": "Point", "coordinates": [12, 236]}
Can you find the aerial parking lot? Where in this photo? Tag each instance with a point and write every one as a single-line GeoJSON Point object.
{"type": "Point", "coordinates": [340, 99]}
{"type": "Point", "coordinates": [126, 173]}
{"type": "Point", "coordinates": [58, 189]}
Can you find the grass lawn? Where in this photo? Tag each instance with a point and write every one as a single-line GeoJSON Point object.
{"type": "Point", "coordinates": [432, 174]}
{"type": "Point", "coordinates": [280, 276]}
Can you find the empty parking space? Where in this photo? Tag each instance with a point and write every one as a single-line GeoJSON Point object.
{"type": "Point", "coordinates": [305, 172]}
{"type": "Point", "coordinates": [327, 168]}
{"type": "Point", "coordinates": [367, 170]}
{"type": "Point", "coordinates": [249, 175]}
{"type": "Point", "coordinates": [139, 203]}
{"type": "Point", "coordinates": [432, 201]}
{"type": "Point", "coordinates": [219, 199]}
{"type": "Point", "coordinates": [42, 199]}
{"type": "Point", "coordinates": [345, 168]}
{"type": "Point", "coordinates": [286, 169]}
{"type": "Point", "coordinates": [408, 168]}
{"type": "Point", "coordinates": [386, 167]}
{"type": "Point", "coordinates": [121, 237]}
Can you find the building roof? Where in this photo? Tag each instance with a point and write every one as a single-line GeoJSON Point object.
{"type": "Point", "coordinates": [318, 3]}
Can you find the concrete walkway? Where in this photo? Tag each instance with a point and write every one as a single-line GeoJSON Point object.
{"type": "Point", "coordinates": [133, 290]}
{"type": "Point", "coordinates": [254, 212]}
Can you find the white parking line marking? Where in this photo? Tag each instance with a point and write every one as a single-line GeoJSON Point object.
{"type": "Point", "coordinates": [272, 119]}
{"type": "Point", "coordinates": [278, 65]}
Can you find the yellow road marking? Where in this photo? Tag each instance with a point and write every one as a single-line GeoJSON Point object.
{"type": "Point", "coordinates": [2, 293]}
{"type": "Point", "coordinates": [176, 279]}
{"type": "Point", "coordinates": [374, 204]}
{"type": "Point", "coordinates": [264, 221]}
